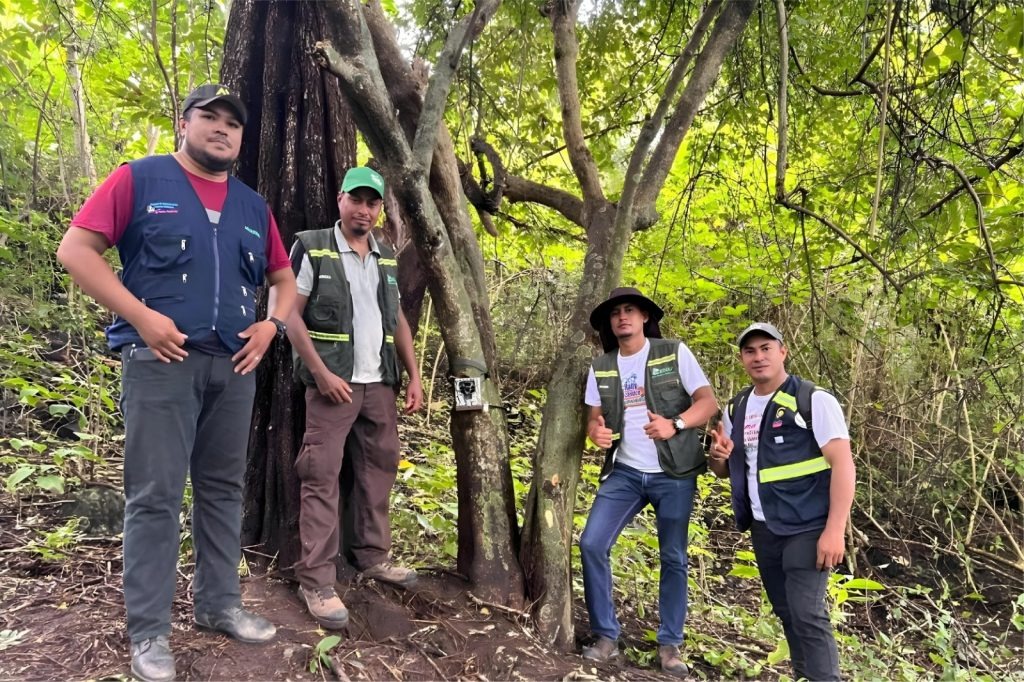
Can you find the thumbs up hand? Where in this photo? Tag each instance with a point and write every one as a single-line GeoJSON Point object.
{"type": "Point", "coordinates": [599, 433]}
{"type": "Point", "coordinates": [659, 428]}
{"type": "Point", "coordinates": [721, 444]}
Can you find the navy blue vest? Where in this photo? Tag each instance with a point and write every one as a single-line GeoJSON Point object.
{"type": "Point", "coordinates": [793, 476]}
{"type": "Point", "coordinates": [202, 275]}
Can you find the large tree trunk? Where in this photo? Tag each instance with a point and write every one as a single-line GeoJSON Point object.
{"type": "Point", "coordinates": [419, 162]}
{"type": "Point", "coordinates": [298, 143]}
{"type": "Point", "coordinates": [548, 527]}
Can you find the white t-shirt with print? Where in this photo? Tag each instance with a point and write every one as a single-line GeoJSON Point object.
{"type": "Point", "coordinates": [635, 448]}
{"type": "Point", "coordinates": [828, 425]}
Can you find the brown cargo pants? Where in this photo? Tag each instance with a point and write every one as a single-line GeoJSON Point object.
{"type": "Point", "coordinates": [371, 422]}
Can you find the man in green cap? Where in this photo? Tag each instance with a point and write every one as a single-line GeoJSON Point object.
{"type": "Point", "coordinates": [350, 341]}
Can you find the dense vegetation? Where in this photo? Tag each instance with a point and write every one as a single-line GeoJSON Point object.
{"type": "Point", "coordinates": [875, 217]}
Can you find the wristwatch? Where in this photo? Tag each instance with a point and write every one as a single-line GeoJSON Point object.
{"type": "Point", "coordinates": [282, 328]}
{"type": "Point", "coordinates": [679, 424]}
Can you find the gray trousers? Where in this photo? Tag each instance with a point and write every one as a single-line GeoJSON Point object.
{"type": "Point", "coordinates": [796, 590]}
{"type": "Point", "coordinates": [180, 417]}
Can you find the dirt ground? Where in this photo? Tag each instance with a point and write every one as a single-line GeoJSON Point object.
{"type": "Point", "coordinates": [63, 619]}
{"type": "Point", "coordinates": [68, 623]}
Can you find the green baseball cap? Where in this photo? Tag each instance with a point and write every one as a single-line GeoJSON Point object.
{"type": "Point", "coordinates": [361, 176]}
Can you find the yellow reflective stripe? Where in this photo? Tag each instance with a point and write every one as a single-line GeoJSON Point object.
{"type": "Point", "coordinates": [616, 436]}
{"type": "Point", "coordinates": [661, 361]}
{"type": "Point", "coordinates": [389, 339]}
{"type": "Point", "coordinates": [786, 400]}
{"type": "Point", "coordinates": [323, 253]}
{"type": "Point", "coordinates": [607, 373]}
{"type": "Point", "coordinates": [324, 336]}
{"type": "Point", "coordinates": [388, 261]}
{"type": "Point", "coordinates": [796, 470]}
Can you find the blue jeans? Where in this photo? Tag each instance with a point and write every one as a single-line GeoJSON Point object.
{"type": "Point", "coordinates": [624, 493]}
{"type": "Point", "coordinates": [796, 590]}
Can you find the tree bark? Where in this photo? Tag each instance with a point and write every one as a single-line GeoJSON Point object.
{"type": "Point", "coordinates": [416, 155]}
{"type": "Point", "coordinates": [548, 526]}
{"type": "Point", "coordinates": [298, 143]}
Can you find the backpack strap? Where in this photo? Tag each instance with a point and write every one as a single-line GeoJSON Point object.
{"type": "Point", "coordinates": [803, 401]}
{"type": "Point", "coordinates": [740, 398]}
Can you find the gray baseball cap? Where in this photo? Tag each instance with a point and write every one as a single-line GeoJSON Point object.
{"type": "Point", "coordinates": [762, 328]}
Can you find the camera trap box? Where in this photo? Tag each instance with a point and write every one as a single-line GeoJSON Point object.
{"type": "Point", "coordinates": [469, 393]}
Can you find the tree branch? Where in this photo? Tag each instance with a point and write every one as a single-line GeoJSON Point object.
{"type": "Point", "coordinates": [1011, 153]}
{"type": "Point", "coordinates": [783, 127]}
{"type": "Point", "coordinates": [654, 124]}
{"type": "Point", "coordinates": [360, 79]}
{"type": "Point", "coordinates": [728, 27]}
{"type": "Point", "coordinates": [980, 211]}
{"type": "Point", "coordinates": [563, 24]}
{"type": "Point", "coordinates": [519, 189]}
{"type": "Point", "coordinates": [784, 201]}
{"type": "Point", "coordinates": [441, 79]}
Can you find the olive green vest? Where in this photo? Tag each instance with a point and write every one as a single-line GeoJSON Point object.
{"type": "Point", "coordinates": [328, 313]}
{"type": "Point", "coordinates": [682, 455]}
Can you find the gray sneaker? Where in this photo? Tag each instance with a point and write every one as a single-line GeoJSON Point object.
{"type": "Point", "coordinates": [239, 624]}
{"type": "Point", "coordinates": [152, 660]}
{"type": "Point", "coordinates": [604, 649]}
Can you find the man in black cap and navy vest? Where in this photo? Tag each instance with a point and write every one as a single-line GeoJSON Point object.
{"type": "Point", "coordinates": [351, 341]}
{"type": "Point", "coordinates": [786, 449]}
{"type": "Point", "coordinates": [647, 396]}
{"type": "Point", "coordinates": [196, 245]}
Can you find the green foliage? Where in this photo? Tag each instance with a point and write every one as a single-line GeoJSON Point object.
{"type": "Point", "coordinates": [321, 656]}
{"type": "Point", "coordinates": [53, 545]}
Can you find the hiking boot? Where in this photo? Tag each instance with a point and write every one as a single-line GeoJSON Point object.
{"type": "Point", "coordinates": [604, 649]}
{"type": "Point", "coordinates": [152, 660]}
{"type": "Point", "coordinates": [325, 606]}
{"type": "Point", "coordinates": [237, 623]}
{"type": "Point", "coordinates": [671, 663]}
{"type": "Point", "coordinates": [389, 573]}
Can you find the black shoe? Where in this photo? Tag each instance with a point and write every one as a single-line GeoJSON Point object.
{"type": "Point", "coordinates": [152, 660]}
{"type": "Point", "coordinates": [239, 624]}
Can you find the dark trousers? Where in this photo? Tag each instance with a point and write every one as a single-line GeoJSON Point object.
{"type": "Point", "coordinates": [180, 417]}
{"type": "Point", "coordinates": [796, 590]}
{"type": "Point", "coordinates": [367, 430]}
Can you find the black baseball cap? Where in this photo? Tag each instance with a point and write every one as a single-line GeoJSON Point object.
{"type": "Point", "coordinates": [215, 92]}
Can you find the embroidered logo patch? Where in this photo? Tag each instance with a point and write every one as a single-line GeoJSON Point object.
{"type": "Point", "coordinates": [776, 424]}
{"type": "Point", "coordinates": [392, 281]}
{"type": "Point", "coordinates": [251, 231]}
{"type": "Point", "coordinates": [325, 276]}
{"type": "Point", "coordinates": [658, 371]}
{"type": "Point", "coordinates": [160, 207]}
{"type": "Point", "coordinates": [781, 411]}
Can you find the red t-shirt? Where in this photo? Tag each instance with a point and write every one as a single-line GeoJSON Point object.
{"type": "Point", "coordinates": [109, 210]}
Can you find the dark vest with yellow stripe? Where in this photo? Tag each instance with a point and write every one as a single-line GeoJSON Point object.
{"type": "Point", "coordinates": [682, 455]}
{"type": "Point", "coordinates": [793, 476]}
{"type": "Point", "coordinates": [328, 312]}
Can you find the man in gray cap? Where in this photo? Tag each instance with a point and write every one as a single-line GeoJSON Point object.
{"type": "Point", "coordinates": [785, 446]}
{"type": "Point", "coordinates": [647, 396]}
{"type": "Point", "coordinates": [196, 246]}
